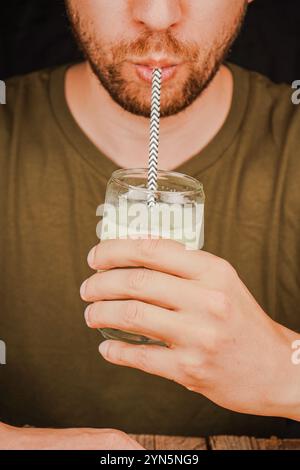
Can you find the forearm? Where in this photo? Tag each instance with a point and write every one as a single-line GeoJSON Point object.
{"type": "Point", "coordinates": [12, 438]}
{"type": "Point", "coordinates": [15, 438]}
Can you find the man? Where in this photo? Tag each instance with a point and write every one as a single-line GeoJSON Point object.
{"type": "Point", "coordinates": [229, 313]}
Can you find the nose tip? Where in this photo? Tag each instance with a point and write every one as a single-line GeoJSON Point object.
{"type": "Point", "coordinates": [157, 15]}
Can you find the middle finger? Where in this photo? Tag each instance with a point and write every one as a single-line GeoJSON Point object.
{"type": "Point", "coordinates": [144, 284]}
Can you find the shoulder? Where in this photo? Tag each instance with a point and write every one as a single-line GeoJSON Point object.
{"type": "Point", "coordinates": [23, 87]}
{"type": "Point", "coordinates": [272, 118]}
{"type": "Point", "coordinates": [22, 93]}
{"type": "Point", "coordinates": [269, 137]}
{"type": "Point", "coordinates": [27, 102]}
{"type": "Point", "coordinates": [271, 105]}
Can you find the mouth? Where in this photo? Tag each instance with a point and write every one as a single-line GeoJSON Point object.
{"type": "Point", "coordinates": [144, 70]}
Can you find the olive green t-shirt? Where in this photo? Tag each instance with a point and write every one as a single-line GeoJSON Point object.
{"type": "Point", "coordinates": [52, 178]}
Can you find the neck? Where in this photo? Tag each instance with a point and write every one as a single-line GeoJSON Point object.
{"type": "Point", "coordinates": [123, 137]}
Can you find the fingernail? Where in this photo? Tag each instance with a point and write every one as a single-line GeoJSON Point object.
{"type": "Point", "coordinates": [91, 256]}
{"type": "Point", "coordinates": [86, 315]}
{"type": "Point", "coordinates": [83, 289]}
{"type": "Point", "coordinates": [103, 348]}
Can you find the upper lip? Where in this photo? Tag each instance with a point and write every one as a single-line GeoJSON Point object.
{"type": "Point", "coordinates": [157, 63]}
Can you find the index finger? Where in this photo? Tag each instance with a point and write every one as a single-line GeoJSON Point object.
{"type": "Point", "coordinates": [159, 254]}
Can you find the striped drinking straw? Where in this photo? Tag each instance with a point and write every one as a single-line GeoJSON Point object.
{"type": "Point", "coordinates": [154, 135]}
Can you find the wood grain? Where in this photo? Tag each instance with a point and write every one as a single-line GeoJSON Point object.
{"type": "Point", "coordinates": [252, 443]}
{"type": "Point", "coordinates": [145, 440]}
{"type": "Point", "coordinates": [159, 442]}
{"type": "Point", "coordinates": [179, 443]}
{"type": "Point", "coordinates": [233, 443]}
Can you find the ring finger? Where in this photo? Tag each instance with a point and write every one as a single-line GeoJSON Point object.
{"type": "Point", "coordinates": [137, 317]}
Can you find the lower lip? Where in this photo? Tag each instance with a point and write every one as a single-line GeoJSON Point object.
{"type": "Point", "coordinates": [145, 73]}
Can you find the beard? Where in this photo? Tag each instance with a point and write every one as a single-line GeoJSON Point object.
{"type": "Point", "coordinates": [110, 63]}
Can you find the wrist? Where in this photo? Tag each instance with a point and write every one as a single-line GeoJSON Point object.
{"type": "Point", "coordinates": [287, 399]}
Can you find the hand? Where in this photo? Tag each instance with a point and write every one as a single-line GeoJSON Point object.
{"type": "Point", "coordinates": [12, 438]}
{"type": "Point", "coordinates": [220, 341]}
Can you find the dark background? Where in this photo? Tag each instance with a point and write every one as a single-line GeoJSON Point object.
{"type": "Point", "coordinates": [35, 34]}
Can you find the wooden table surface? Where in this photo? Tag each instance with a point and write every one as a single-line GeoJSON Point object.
{"type": "Point", "coordinates": [157, 442]}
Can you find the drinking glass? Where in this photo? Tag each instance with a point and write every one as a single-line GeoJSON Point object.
{"type": "Point", "coordinates": [178, 214]}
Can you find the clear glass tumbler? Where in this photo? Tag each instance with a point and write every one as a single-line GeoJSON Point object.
{"type": "Point", "coordinates": [178, 214]}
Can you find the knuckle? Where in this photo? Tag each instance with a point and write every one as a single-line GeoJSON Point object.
{"type": "Point", "coordinates": [225, 269]}
{"type": "Point", "coordinates": [94, 256]}
{"type": "Point", "coordinates": [220, 304]}
{"type": "Point", "coordinates": [90, 314]}
{"type": "Point", "coordinates": [211, 341]}
{"type": "Point", "coordinates": [91, 288]}
{"type": "Point", "coordinates": [191, 366]}
{"type": "Point", "coordinates": [138, 278]}
{"type": "Point", "coordinates": [132, 313]}
{"type": "Point", "coordinates": [113, 353]}
{"type": "Point", "coordinates": [148, 246]}
{"type": "Point", "coordinates": [95, 253]}
{"type": "Point", "coordinates": [142, 358]}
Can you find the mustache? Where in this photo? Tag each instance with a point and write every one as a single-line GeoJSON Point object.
{"type": "Point", "coordinates": [151, 42]}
